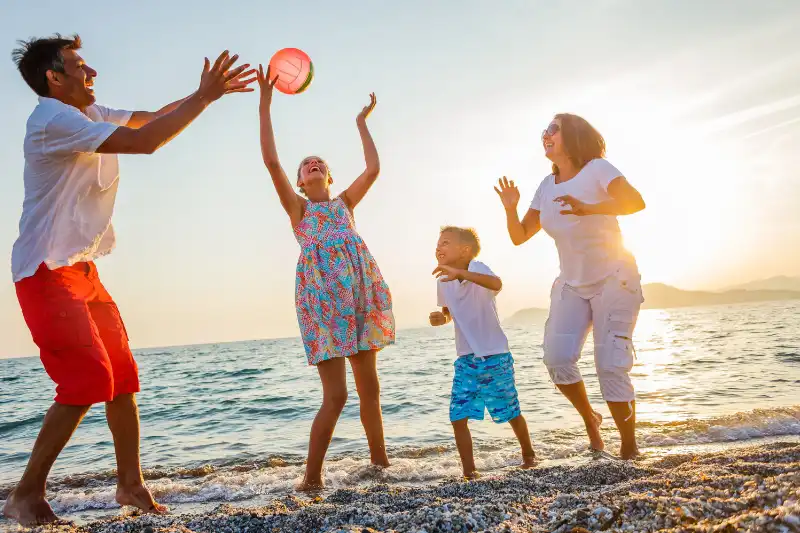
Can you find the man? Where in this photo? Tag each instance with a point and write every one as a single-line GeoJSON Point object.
{"type": "Point", "coordinates": [71, 177]}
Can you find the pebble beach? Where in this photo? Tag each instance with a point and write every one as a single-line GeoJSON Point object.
{"type": "Point", "coordinates": [746, 488]}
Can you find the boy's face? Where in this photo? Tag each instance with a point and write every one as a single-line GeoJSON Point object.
{"type": "Point", "coordinates": [451, 251]}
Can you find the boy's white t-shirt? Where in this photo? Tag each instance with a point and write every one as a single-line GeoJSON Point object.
{"type": "Point", "coordinates": [474, 312]}
{"type": "Point", "coordinates": [590, 248]}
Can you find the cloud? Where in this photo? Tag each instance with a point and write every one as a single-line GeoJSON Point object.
{"type": "Point", "coordinates": [772, 128]}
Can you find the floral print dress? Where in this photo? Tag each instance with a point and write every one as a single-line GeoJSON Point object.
{"type": "Point", "coordinates": [343, 304]}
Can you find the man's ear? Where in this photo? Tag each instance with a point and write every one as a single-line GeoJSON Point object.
{"type": "Point", "coordinates": [53, 77]}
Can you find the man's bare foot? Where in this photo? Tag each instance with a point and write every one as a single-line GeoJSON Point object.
{"type": "Point", "coordinates": [472, 475]}
{"type": "Point", "coordinates": [310, 486]}
{"type": "Point", "coordinates": [593, 430]}
{"type": "Point", "coordinates": [28, 511]}
{"type": "Point", "coordinates": [528, 461]}
{"type": "Point", "coordinates": [138, 496]}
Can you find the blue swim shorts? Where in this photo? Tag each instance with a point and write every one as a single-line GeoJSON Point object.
{"type": "Point", "coordinates": [484, 383]}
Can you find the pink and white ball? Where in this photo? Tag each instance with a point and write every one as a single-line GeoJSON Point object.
{"type": "Point", "coordinates": [294, 70]}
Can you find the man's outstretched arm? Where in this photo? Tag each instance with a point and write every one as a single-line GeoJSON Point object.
{"type": "Point", "coordinates": [217, 80]}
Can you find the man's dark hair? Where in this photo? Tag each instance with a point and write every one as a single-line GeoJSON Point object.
{"type": "Point", "coordinates": [36, 56]}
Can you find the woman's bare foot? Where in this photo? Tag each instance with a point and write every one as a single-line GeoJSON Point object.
{"type": "Point", "coordinates": [593, 430]}
{"type": "Point", "coordinates": [472, 475]}
{"type": "Point", "coordinates": [138, 496]}
{"type": "Point", "coordinates": [528, 461]}
{"type": "Point", "coordinates": [28, 511]}
{"type": "Point", "coordinates": [627, 453]}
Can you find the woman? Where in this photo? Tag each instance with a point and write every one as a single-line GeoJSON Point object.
{"type": "Point", "coordinates": [599, 284]}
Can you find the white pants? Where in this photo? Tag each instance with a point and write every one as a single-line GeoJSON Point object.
{"type": "Point", "coordinates": [612, 308]}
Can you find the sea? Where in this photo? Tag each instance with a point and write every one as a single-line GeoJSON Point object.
{"type": "Point", "coordinates": [229, 423]}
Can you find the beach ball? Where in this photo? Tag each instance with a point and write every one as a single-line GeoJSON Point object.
{"type": "Point", "coordinates": [294, 70]}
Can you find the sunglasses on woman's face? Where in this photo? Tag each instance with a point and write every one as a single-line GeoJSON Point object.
{"type": "Point", "coordinates": [551, 130]}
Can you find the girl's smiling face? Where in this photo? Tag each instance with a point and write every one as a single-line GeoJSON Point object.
{"type": "Point", "coordinates": [312, 171]}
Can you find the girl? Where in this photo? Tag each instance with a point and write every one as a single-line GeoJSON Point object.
{"type": "Point", "coordinates": [599, 284]}
{"type": "Point", "coordinates": [343, 304]}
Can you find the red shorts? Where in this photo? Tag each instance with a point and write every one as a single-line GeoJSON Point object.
{"type": "Point", "coordinates": [80, 334]}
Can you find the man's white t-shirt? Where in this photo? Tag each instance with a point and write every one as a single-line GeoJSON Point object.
{"type": "Point", "coordinates": [474, 312]}
{"type": "Point", "coordinates": [590, 248]}
{"type": "Point", "coordinates": [69, 189]}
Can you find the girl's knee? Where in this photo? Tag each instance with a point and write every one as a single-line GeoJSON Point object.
{"type": "Point", "coordinates": [369, 391]}
{"type": "Point", "coordinates": [335, 400]}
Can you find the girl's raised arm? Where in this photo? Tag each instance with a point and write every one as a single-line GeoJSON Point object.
{"type": "Point", "coordinates": [290, 200]}
{"type": "Point", "coordinates": [356, 191]}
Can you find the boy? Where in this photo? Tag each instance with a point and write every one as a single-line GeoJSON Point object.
{"type": "Point", "coordinates": [484, 370]}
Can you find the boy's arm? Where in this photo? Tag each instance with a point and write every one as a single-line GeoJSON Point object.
{"type": "Point", "coordinates": [487, 281]}
{"type": "Point", "coordinates": [440, 318]}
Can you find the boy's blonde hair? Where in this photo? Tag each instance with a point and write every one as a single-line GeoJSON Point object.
{"type": "Point", "coordinates": [467, 236]}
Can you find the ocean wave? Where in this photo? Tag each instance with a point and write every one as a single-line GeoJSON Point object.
{"type": "Point", "coordinates": [792, 357]}
{"type": "Point", "coordinates": [754, 424]}
{"type": "Point", "coordinates": [8, 427]}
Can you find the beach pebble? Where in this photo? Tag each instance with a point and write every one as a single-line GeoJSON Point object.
{"type": "Point", "coordinates": [743, 489]}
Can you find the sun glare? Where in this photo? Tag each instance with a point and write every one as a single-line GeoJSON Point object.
{"type": "Point", "coordinates": [690, 180]}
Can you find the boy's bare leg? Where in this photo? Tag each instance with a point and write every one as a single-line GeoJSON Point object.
{"type": "Point", "coordinates": [520, 428]}
{"type": "Point", "coordinates": [464, 445]}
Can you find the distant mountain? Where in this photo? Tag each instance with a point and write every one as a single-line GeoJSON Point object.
{"type": "Point", "coordinates": [778, 283]}
{"type": "Point", "coordinates": [660, 296]}
{"type": "Point", "coordinates": [531, 315]}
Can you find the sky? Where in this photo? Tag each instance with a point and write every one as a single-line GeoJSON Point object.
{"type": "Point", "coordinates": [699, 103]}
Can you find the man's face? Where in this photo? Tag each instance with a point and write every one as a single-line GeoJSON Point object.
{"type": "Point", "coordinates": [74, 85]}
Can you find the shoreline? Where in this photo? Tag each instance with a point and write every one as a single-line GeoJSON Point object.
{"type": "Point", "coordinates": [755, 487]}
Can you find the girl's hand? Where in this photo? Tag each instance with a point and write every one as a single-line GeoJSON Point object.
{"type": "Point", "coordinates": [362, 117]}
{"type": "Point", "coordinates": [508, 193]}
{"type": "Point", "coordinates": [576, 207]}
{"type": "Point", "coordinates": [447, 273]}
{"type": "Point", "coordinates": [265, 84]}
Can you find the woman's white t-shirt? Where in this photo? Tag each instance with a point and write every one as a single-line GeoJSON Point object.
{"type": "Point", "coordinates": [590, 248]}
